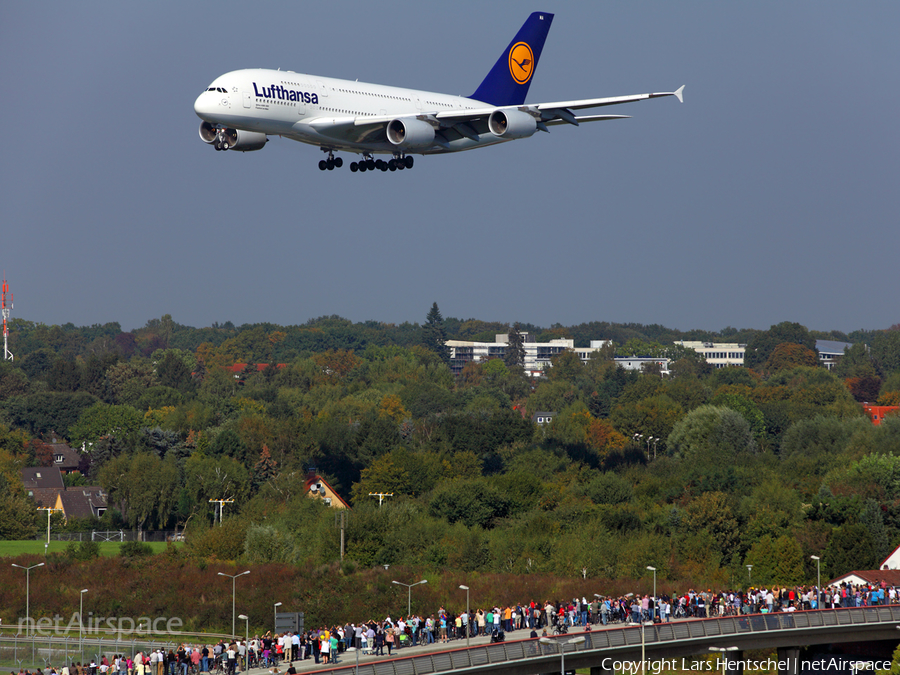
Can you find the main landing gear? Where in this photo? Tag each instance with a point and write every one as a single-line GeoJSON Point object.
{"type": "Point", "coordinates": [331, 163]}
{"type": "Point", "coordinates": [370, 164]}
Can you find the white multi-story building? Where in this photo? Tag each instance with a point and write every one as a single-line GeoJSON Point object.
{"type": "Point", "coordinates": [717, 354]}
{"type": "Point", "coordinates": [537, 354]}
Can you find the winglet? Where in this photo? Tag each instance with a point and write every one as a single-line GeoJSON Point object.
{"type": "Point", "coordinates": [679, 94]}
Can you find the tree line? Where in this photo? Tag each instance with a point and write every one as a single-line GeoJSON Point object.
{"type": "Point", "coordinates": [698, 474]}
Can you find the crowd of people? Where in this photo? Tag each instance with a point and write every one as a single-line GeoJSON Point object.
{"type": "Point", "coordinates": [326, 645]}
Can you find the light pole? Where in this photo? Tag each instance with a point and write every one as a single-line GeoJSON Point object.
{"type": "Point", "coordinates": [354, 649]}
{"type": "Point", "coordinates": [275, 617]}
{"type": "Point", "coordinates": [468, 616]}
{"type": "Point", "coordinates": [246, 630]}
{"type": "Point", "coordinates": [724, 660]}
{"type": "Point", "coordinates": [561, 646]}
{"type": "Point", "coordinates": [409, 588]}
{"type": "Point", "coordinates": [27, 591]}
{"type": "Point", "coordinates": [818, 579]}
{"type": "Point", "coordinates": [650, 567]}
{"type": "Point", "coordinates": [233, 578]}
{"type": "Point", "coordinates": [749, 567]}
{"type": "Point", "coordinates": [81, 621]}
{"type": "Point", "coordinates": [644, 624]}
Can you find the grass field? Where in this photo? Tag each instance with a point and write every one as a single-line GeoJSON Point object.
{"type": "Point", "coordinates": [108, 548]}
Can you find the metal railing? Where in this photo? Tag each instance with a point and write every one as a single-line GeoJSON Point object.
{"type": "Point", "coordinates": [627, 636]}
{"type": "Point", "coordinates": [33, 651]}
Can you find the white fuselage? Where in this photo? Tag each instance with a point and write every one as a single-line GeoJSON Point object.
{"type": "Point", "coordinates": [319, 110]}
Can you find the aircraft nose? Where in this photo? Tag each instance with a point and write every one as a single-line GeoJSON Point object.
{"type": "Point", "coordinates": [199, 108]}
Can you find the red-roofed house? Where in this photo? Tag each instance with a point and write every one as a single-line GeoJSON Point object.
{"type": "Point", "coordinates": [318, 488]}
{"type": "Point", "coordinates": [877, 413]}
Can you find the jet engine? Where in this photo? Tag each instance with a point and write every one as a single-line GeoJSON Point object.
{"type": "Point", "coordinates": [232, 139]}
{"type": "Point", "coordinates": [511, 124]}
{"type": "Point", "coordinates": [406, 133]}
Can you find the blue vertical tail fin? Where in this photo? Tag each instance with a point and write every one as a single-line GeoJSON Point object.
{"type": "Point", "coordinates": [508, 81]}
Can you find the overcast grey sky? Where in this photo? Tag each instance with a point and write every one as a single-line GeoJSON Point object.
{"type": "Point", "coordinates": [771, 194]}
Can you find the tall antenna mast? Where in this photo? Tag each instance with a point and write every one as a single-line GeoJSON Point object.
{"type": "Point", "coordinates": [4, 308]}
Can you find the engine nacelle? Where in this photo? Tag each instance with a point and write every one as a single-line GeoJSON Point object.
{"type": "Point", "coordinates": [510, 124]}
{"type": "Point", "coordinates": [410, 133]}
{"type": "Point", "coordinates": [208, 132]}
{"type": "Point", "coordinates": [232, 139]}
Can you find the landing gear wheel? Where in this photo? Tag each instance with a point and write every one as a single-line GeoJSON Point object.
{"type": "Point", "coordinates": [338, 162]}
{"type": "Point", "coordinates": [363, 166]}
{"type": "Point", "coordinates": [329, 164]}
{"type": "Point", "coordinates": [379, 163]}
{"type": "Point", "coordinates": [353, 167]}
{"type": "Point", "coordinates": [409, 161]}
{"type": "Point", "coordinates": [323, 165]}
{"type": "Point", "coordinates": [370, 164]}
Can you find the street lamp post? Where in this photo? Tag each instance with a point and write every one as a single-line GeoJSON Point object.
{"type": "Point", "coordinates": [246, 630]}
{"type": "Point", "coordinates": [27, 592]}
{"type": "Point", "coordinates": [724, 660]}
{"type": "Point", "coordinates": [354, 649]}
{"type": "Point", "coordinates": [650, 567]}
{"type": "Point", "coordinates": [468, 615]}
{"type": "Point", "coordinates": [818, 579]}
{"type": "Point", "coordinates": [233, 578]}
{"type": "Point", "coordinates": [749, 567]}
{"type": "Point", "coordinates": [81, 616]}
{"type": "Point", "coordinates": [275, 617]}
{"type": "Point", "coordinates": [409, 588]}
{"type": "Point", "coordinates": [644, 624]}
{"type": "Point", "coordinates": [561, 646]}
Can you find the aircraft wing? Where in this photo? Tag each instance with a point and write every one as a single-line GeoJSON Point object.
{"type": "Point", "coordinates": [550, 114]}
{"type": "Point", "coordinates": [471, 122]}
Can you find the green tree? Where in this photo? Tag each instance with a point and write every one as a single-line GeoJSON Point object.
{"type": "Point", "coordinates": [103, 419]}
{"type": "Point", "coordinates": [264, 544]}
{"type": "Point", "coordinates": [143, 487]}
{"type": "Point", "coordinates": [856, 362]}
{"type": "Point", "coordinates": [434, 335]}
{"type": "Point", "coordinates": [886, 350]}
{"type": "Point", "coordinates": [849, 548]}
{"type": "Point", "coordinates": [208, 478]}
{"type": "Point", "coordinates": [761, 345]}
{"type": "Point", "coordinates": [515, 348]}
{"type": "Point", "coordinates": [18, 517]}
{"type": "Point", "coordinates": [711, 513]}
{"type": "Point", "coordinates": [788, 355]}
{"type": "Point", "coordinates": [173, 369]}
{"type": "Point", "coordinates": [711, 434]}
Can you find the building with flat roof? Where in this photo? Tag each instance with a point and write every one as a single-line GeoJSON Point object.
{"type": "Point", "coordinates": [537, 354]}
{"type": "Point", "coordinates": [831, 351]}
{"type": "Point", "coordinates": [717, 354]}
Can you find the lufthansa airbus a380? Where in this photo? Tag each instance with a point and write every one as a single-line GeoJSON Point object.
{"type": "Point", "coordinates": [242, 108]}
